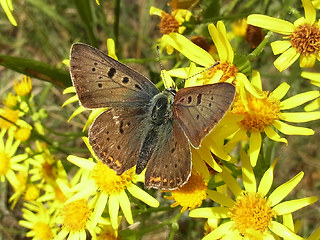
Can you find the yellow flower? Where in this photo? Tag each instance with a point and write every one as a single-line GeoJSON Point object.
{"type": "Point", "coordinates": [252, 214]}
{"type": "Point", "coordinates": [191, 194]}
{"type": "Point", "coordinates": [226, 71]}
{"type": "Point", "coordinates": [302, 38]}
{"type": "Point", "coordinates": [45, 167]}
{"type": "Point", "coordinates": [8, 117]}
{"type": "Point", "coordinates": [24, 87]}
{"type": "Point", "coordinates": [112, 189]}
{"type": "Point", "coordinates": [75, 218]}
{"type": "Point", "coordinates": [8, 8]}
{"type": "Point", "coordinates": [10, 101]}
{"type": "Point", "coordinates": [39, 220]}
{"type": "Point", "coordinates": [171, 22]}
{"type": "Point", "coordinates": [22, 134]}
{"type": "Point", "coordinates": [261, 114]}
{"type": "Point", "coordinates": [9, 160]}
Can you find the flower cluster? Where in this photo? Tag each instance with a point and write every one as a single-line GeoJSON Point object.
{"type": "Point", "coordinates": [64, 191]}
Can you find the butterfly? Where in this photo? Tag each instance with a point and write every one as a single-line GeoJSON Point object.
{"type": "Point", "coordinates": [144, 127]}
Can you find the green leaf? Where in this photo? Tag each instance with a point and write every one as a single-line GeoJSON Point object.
{"type": "Point", "coordinates": [36, 69]}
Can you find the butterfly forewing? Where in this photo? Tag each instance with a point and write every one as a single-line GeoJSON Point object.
{"type": "Point", "coordinates": [101, 81]}
{"type": "Point", "coordinates": [170, 163]}
{"type": "Point", "coordinates": [198, 109]}
{"type": "Point", "coordinates": [116, 137]}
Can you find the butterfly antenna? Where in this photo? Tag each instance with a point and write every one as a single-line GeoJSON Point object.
{"type": "Point", "coordinates": [213, 65]}
{"type": "Point", "coordinates": [159, 61]}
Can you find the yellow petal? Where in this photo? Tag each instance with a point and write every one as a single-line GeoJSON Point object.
{"type": "Point", "coordinates": [273, 135]}
{"type": "Point", "coordinates": [273, 24]}
{"type": "Point", "coordinates": [223, 34]}
{"type": "Point", "coordinates": [280, 91]}
{"type": "Point", "coordinates": [286, 59]}
{"type": "Point", "coordinates": [299, 99]}
{"type": "Point", "coordinates": [298, 117]}
{"type": "Point", "coordinates": [143, 196]}
{"type": "Point", "coordinates": [315, 235]}
{"type": "Point", "coordinates": [267, 180]}
{"type": "Point", "coordinates": [219, 42]}
{"type": "Point", "coordinates": [210, 212]}
{"type": "Point", "coordinates": [313, 105]}
{"type": "Point", "coordinates": [292, 130]}
{"type": "Point", "coordinates": [283, 190]}
{"type": "Point", "coordinates": [249, 180]}
{"type": "Point", "coordinates": [111, 48]}
{"type": "Point", "coordinates": [219, 232]}
{"type": "Point", "coordinates": [71, 99]}
{"type": "Point", "coordinates": [230, 181]}
{"type": "Point", "coordinates": [256, 80]}
{"type": "Point", "coordinates": [75, 113]}
{"type": "Point", "coordinates": [220, 198]}
{"type": "Point", "coordinates": [99, 208]}
{"type": "Point", "coordinates": [125, 206]}
{"type": "Point", "coordinates": [280, 46]}
{"type": "Point", "coordinates": [309, 11]}
{"type": "Point", "coordinates": [7, 7]}
{"type": "Point", "coordinates": [114, 210]}
{"type": "Point", "coordinates": [69, 90]}
{"type": "Point", "coordinates": [81, 162]}
{"type": "Point", "coordinates": [189, 49]}
{"type": "Point", "coordinates": [311, 75]}
{"type": "Point", "coordinates": [254, 147]}
{"type": "Point", "coordinates": [167, 80]}
{"type": "Point", "coordinates": [308, 61]}
{"type": "Point", "coordinates": [294, 205]}
{"type": "Point", "coordinates": [248, 85]}
{"type": "Point", "coordinates": [199, 166]}
{"type": "Point", "coordinates": [283, 231]}
{"type": "Point", "coordinates": [155, 11]}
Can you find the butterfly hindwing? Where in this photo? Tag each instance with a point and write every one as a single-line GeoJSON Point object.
{"type": "Point", "coordinates": [100, 81]}
{"type": "Point", "coordinates": [170, 164]}
{"type": "Point", "coordinates": [116, 137]}
{"type": "Point", "coordinates": [198, 109]}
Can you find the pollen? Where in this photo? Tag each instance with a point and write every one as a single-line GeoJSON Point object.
{"type": "Point", "coordinates": [260, 112]}
{"type": "Point", "coordinates": [168, 24]}
{"type": "Point", "coordinates": [47, 170]}
{"type": "Point", "coordinates": [229, 71]}
{"type": "Point", "coordinates": [306, 39]}
{"type": "Point", "coordinates": [108, 181]}
{"type": "Point", "coordinates": [24, 87]}
{"type": "Point", "coordinates": [42, 231]}
{"type": "Point", "coordinates": [8, 117]}
{"type": "Point", "coordinates": [76, 215]}
{"type": "Point", "coordinates": [251, 210]}
{"type": "Point", "coordinates": [4, 163]}
{"type": "Point", "coordinates": [190, 195]}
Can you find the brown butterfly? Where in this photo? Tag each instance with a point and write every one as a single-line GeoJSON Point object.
{"type": "Point", "coordinates": [144, 127]}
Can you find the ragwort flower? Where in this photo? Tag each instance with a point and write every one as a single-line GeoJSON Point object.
{"type": "Point", "coordinates": [261, 114]}
{"type": "Point", "coordinates": [253, 212]}
{"type": "Point", "coordinates": [105, 186]}
{"type": "Point", "coordinates": [302, 38]}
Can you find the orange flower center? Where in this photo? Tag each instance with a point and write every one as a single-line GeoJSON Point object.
{"type": "Point", "coordinates": [251, 211]}
{"type": "Point", "coordinates": [306, 39]}
{"type": "Point", "coordinates": [258, 113]}
{"type": "Point", "coordinates": [229, 70]}
{"type": "Point", "coordinates": [168, 23]}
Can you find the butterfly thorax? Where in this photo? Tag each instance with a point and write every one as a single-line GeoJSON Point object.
{"type": "Point", "coordinates": [161, 107]}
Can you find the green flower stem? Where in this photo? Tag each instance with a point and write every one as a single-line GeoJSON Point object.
{"type": "Point", "coordinates": [256, 52]}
